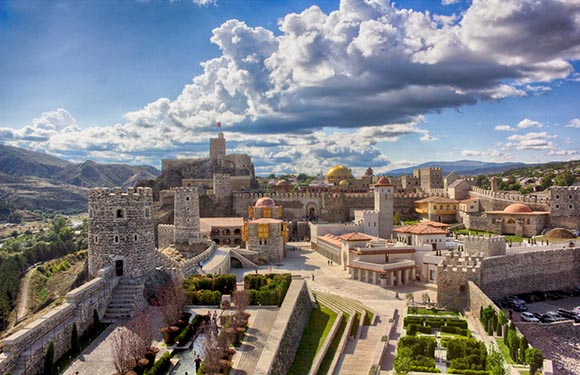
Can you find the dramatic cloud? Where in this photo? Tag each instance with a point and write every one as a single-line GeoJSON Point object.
{"type": "Point", "coordinates": [574, 123]}
{"type": "Point", "coordinates": [368, 71]}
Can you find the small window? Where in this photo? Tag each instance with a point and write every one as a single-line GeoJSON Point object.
{"type": "Point", "coordinates": [135, 238]}
{"type": "Point", "coordinates": [557, 196]}
{"type": "Point", "coordinates": [147, 212]}
{"type": "Point", "coordinates": [120, 213]}
{"type": "Point", "coordinates": [557, 206]}
{"type": "Point", "coordinates": [96, 239]}
{"type": "Point", "coordinates": [570, 196]}
{"type": "Point", "coordinates": [571, 206]}
{"type": "Point", "coordinates": [116, 239]}
{"type": "Point", "coordinates": [187, 198]}
{"type": "Point", "coordinates": [375, 224]}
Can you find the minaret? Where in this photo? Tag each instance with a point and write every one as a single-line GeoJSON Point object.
{"type": "Point", "coordinates": [384, 197]}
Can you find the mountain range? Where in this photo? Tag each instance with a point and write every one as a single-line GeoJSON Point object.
{"type": "Point", "coordinates": [463, 167]}
{"type": "Point", "coordinates": [34, 180]}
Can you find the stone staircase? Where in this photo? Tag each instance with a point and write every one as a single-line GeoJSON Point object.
{"type": "Point", "coordinates": [344, 359]}
{"type": "Point", "coordinates": [126, 296]}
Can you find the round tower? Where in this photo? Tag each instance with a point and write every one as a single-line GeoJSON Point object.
{"type": "Point", "coordinates": [121, 231]}
{"type": "Point", "coordinates": [384, 193]}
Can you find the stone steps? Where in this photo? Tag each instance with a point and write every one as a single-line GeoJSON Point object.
{"type": "Point", "coordinates": [123, 302]}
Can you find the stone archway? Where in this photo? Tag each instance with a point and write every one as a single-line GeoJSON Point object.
{"type": "Point", "coordinates": [509, 226]}
{"type": "Point", "coordinates": [311, 210]}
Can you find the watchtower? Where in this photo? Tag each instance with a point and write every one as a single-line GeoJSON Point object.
{"type": "Point", "coordinates": [186, 215]}
{"type": "Point", "coordinates": [384, 193]}
{"type": "Point", "coordinates": [217, 148]}
{"type": "Point", "coordinates": [121, 231]}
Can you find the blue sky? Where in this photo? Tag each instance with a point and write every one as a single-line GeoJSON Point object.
{"type": "Point", "coordinates": [298, 85]}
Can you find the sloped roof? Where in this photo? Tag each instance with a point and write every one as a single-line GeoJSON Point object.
{"type": "Point", "coordinates": [436, 200]}
{"type": "Point", "coordinates": [265, 221]}
{"type": "Point", "coordinates": [422, 228]}
{"type": "Point", "coordinates": [207, 223]}
{"type": "Point", "coordinates": [355, 236]}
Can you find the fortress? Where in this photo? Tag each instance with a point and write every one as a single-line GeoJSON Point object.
{"type": "Point", "coordinates": [156, 227]}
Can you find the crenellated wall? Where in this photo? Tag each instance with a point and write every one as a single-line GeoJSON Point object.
{"type": "Point", "coordinates": [498, 200]}
{"type": "Point", "coordinates": [23, 352]}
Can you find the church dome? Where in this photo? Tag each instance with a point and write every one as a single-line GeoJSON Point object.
{"type": "Point", "coordinates": [282, 183]}
{"type": "Point", "coordinates": [339, 171]}
{"type": "Point", "coordinates": [265, 202]}
{"type": "Point", "coordinates": [517, 208]}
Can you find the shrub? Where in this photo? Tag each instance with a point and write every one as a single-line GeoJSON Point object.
{"type": "Point", "coordinates": [435, 323]}
{"type": "Point", "coordinates": [457, 323]}
{"type": "Point", "coordinates": [467, 372]}
{"type": "Point", "coordinates": [161, 366]}
{"type": "Point", "coordinates": [456, 330]}
{"type": "Point", "coordinates": [425, 369]}
{"type": "Point", "coordinates": [413, 320]}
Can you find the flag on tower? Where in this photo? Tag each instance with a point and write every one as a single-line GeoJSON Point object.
{"type": "Point", "coordinates": [219, 124]}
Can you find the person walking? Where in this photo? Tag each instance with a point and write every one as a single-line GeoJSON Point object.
{"type": "Point", "coordinates": [197, 362]}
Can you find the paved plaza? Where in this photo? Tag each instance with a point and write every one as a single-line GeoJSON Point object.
{"type": "Point", "coordinates": [320, 276]}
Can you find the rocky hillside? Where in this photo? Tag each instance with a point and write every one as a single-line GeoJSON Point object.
{"type": "Point", "coordinates": [32, 180]}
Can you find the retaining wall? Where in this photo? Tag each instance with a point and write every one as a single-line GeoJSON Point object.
{"type": "Point", "coordinates": [285, 336]}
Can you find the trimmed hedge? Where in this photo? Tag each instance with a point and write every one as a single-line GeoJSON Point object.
{"type": "Point", "coordinates": [161, 366]}
{"type": "Point", "coordinates": [413, 320]}
{"type": "Point", "coordinates": [457, 323]}
{"type": "Point", "coordinates": [468, 372]}
{"type": "Point", "coordinates": [456, 330]}
{"type": "Point", "coordinates": [267, 289]}
{"type": "Point", "coordinates": [435, 323]}
{"type": "Point", "coordinates": [425, 369]}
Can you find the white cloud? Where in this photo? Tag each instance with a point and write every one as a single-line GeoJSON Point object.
{"type": "Point", "coordinates": [562, 152]}
{"type": "Point", "coordinates": [205, 2]}
{"type": "Point", "coordinates": [491, 153]}
{"type": "Point", "coordinates": [449, 2]}
{"type": "Point", "coordinates": [505, 128]}
{"type": "Point", "coordinates": [531, 141]}
{"type": "Point", "coordinates": [574, 123]}
{"type": "Point", "coordinates": [527, 123]}
{"type": "Point", "coordinates": [367, 70]}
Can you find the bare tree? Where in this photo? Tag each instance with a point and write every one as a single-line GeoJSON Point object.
{"type": "Point", "coordinates": [212, 354]}
{"type": "Point", "coordinates": [172, 300]}
{"type": "Point", "coordinates": [141, 327]}
{"type": "Point", "coordinates": [121, 347]}
{"type": "Point", "coordinates": [241, 302]}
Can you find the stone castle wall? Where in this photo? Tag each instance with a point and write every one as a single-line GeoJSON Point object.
{"type": "Point", "coordinates": [165, 235]}
{"type": "Point", "coordinates": [497, 201]}
{"type": "Point", "coordinates": [24, 351]}
{"type": "Point", "coordinates": [485, 245]}
{"type": "Point", "coordinates": [285, 336]}
{"type": "Point", "coordinates": [565, 207]}
{"type": "Point", "coordinates": [186, 211]}
{"type": "Point", "coordinates": [453, 274]}
{"type": "Point", "coordinates": [548, 269]}
{"type": "Point", "coordinates": [121, 228]}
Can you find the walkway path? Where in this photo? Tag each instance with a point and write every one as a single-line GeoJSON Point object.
{"type": "Point", "coordinates": [23, 296]}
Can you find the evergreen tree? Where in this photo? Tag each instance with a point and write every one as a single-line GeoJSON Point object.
{"type": "Point", "coordinates": [75, 346]}
{"type": "Point", "coordinates": [523, 349]}
{"type": "Point", "coordinates": [49, 359]}
{"type": "Point", "coordinates": [535, 359]}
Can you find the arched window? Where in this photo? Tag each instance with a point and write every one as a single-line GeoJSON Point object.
{"type": "Point", "coordinates": [120, 213]}
{"type": "Point", "coordinates": [135, 238]}
{"type": "Point", "coordinates": [116, 239]}
{"type": "Point", "coordinates": [147, 212]}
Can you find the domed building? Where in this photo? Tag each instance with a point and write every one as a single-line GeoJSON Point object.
{"type": "Point", "coordinates": [517, 219]}
{"type": "Point", "coordinates": [265, 233]}
{"type": "Point", "coordinates": [337, 174]}
{"type": "Point", "coordinates": [282, 186]}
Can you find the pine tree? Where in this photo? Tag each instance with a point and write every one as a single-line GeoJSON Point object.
{"type": "Point", "coordinates": [49, 359]}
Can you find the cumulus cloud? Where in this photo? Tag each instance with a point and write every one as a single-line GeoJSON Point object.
{"type": "Point", "coordinates": [574, 123]}
{"type": "Point", "coordinates": [449, 2]}
{"type": "Point", "coordinates": [368, 69]}
{"type": "Point", "coordinates": [524, 124]}
{"type": "Point", "coordinates": [531, 141]}
{"type": "Point", "coordinates": [562, 152]}
{"type": "Point", "coordinates": [205, 2]}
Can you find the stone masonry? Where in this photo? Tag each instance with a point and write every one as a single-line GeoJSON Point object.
{"type": "Point", "coordinates": [121, 231]}
{"type": "Point", "coordinates": [186, 211]}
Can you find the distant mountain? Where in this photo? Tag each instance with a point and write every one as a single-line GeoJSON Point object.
{"type": "Point", "coordinates": [33, 180]}
{"type": "Point", "coordinates": [91, 174]}
{"type": "Point", "coordinates": [18, 162]}
{"type": "Point", "coordinates": [465, 167]}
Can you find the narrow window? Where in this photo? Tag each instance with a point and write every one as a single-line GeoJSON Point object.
{"type": "Point", "coordinates": [120, 213]}
{"type": "Point", "coordinates": [96, 239]}
{"type": "Point", "coordinates": [135, 238]}
{"type": "Point", "coordinates": [116, 239]}
{"type": "Point", "coordinates": [147, 212]}
{"type": "Point", "coordinates": [187, 198]}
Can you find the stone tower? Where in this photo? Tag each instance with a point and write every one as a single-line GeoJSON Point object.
{"type": "Point", "coordinates": [384, 197]}
{"type": "Point", "coordinates": [217, 148]}
{"type": "Point", "coordinates": [222, 185]}
{"type": "Point", "coordinates": [121, 231]}
{"type": "Point", "coordinates": [264, 233]}
{"type": "Point", "coordinates": [186, 215]}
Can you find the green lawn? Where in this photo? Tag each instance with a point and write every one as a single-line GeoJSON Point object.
{"type": "Point", "coordinates": [327, 361]}
{"type": "Point", "coordinates": [319, 324]}
{"type": "Point", "coordinates": [504, 350]}
{"type": "Point", "coordinates": [507, 236]}
{"type": "Point", "coordinates": [423, 311]}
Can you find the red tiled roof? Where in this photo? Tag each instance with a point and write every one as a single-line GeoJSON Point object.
{"type": "Point", "coordinates": [421, 228]}
{"type": "Point", "coordinates": [383, 251]}
{"type": "Point", "coordinates": [383, 181]}
{"type": "Point", "coordinates": [355, 236]}
{"type": "Point", "coordinates": [332, 239]}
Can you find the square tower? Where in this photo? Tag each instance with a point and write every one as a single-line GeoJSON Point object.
{"type": "Point", "coordinates": [384, 193]}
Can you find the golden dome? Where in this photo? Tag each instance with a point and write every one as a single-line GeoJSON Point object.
{"type": "Point", "coordinates": [339, 171]}
{"type": "Point", "coordinates": [343, 183]}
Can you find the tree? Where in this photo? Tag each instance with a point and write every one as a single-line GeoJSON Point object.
{"type": "Point", "coordinates": [75, 346]}
{"type": "Point", "coordinates": [535, 359]}
{"type": "Point", "coordinates": [523, 348]}
{"type": "Point", "coordinates": [172, 299]}
{"type": "Point", "coordinates": [49, 359]}
{"type": "Point", "coordinates": [397, 218]}
{"type": "Point", "coordinates": [546, 181]}
{"type": "Point", "coordinates": [121, 350]}
{"type": "Point", "coordinates": [565, 178]}
{"type": "Point", "coordinates": [410, 298]}
{"type": "Point", "coordinates": [426, 299]}
{"type": "Point", "coordinates": [513, 344]}
{"type": "Point", "coordinates": [302, 177]}
{"type": "Point", "coordinates": [495, 363]}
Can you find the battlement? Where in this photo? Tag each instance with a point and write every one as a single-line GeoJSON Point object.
{"type": "Point", "coordinates": [461, 262]}
{"type": "Point", "coordinates": [106, 193]}
{"type": "Point", "coordinates": [187, 189]}
{"type": "Point", "coordinates": [510, 197]}
{"type": "Point", "coordinates": [565, 188]}
{"type": "Point", "coordinates": [487, 246]}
